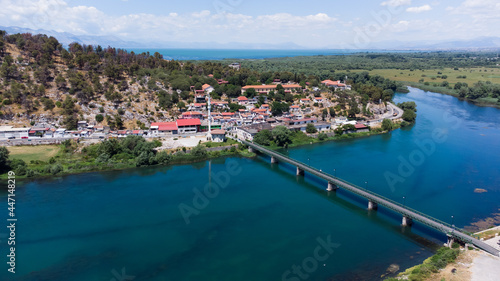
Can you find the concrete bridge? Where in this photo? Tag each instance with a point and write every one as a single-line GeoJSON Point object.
{"type": "Point", "coordinates": [374, 200]}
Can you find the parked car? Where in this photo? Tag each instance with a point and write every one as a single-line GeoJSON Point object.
{"type": "Point", "coordinates": [11, 138]}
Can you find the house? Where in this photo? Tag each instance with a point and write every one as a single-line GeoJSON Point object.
{"type": "Point", "coordinates": [220, 105]}
{"type": "Point", "coordinates": [188, 126]}
{"type": "Point", "coordinates": [235, 65]}
{"type": "Point", "coordinates": [304, 101]}
{"type": "Point", "coordinates": [198, 106]}
{"type": "Point", "coordinates": [242, 100]}
{"type": "Point", "coordinates": [59, 133]}
{"type": "Point", "coordinates": [37, 132]}
{"type": "Point", "coordinates": [122, 133]}
{"type": "Point", "coordinates": [192, 115]}
{"type": "Point", "coordinates": [82, 125]}
{"type": "Point", "coordinates": [50, 133]}
{"type": "Point", "coordinates": [10, 131]}
{"type": "Point", "coordinates": [138, 132]}
{"type": "Point", "coordinates": [341, 120]}
{"type": "Point", "coordinates": [265, 89]}
{"type": "Point", "coordinates": [361, 128]}
{"type": "Point", "coordinates": [295, 108]}
{"type": "Point", "coordinates": [318, 100]}
{"type": "Point", "coordinates": [163, 128]}
{"type": "Point", "coordinates": [248, 132]}
{"type": "Point", "coordinates": [301, 124]}
{"type": "Point", "coordinates": [301, 121]}
{"type": "Point", "coordinates": [200, 98]}
{"type": "Point", "coordinates": [207, 88]}
{"type": "Point", "coordinates": [218, 135]}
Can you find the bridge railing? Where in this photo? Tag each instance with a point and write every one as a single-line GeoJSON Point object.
{"type": "Point", "coordinates": [352, 187]}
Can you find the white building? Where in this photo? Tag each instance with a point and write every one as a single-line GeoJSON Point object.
{"type": "Point", "coordinates": [9, 132]}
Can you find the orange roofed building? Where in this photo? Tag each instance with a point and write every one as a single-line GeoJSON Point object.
{"type": "Point", "coordinates": [265, 89]}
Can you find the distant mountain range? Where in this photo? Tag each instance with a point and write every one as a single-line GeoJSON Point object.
{"type": "Point", "coordinates": [68, 38]}
{"type": "Point", "coordinates": [480, 43]}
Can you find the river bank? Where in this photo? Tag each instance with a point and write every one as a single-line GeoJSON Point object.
{"type": "Point", "coordinates": [483, 102]}
{"type": "Point", "coordinates": [66, 163]}
{"type": "Point", "coordinates": [464, 264]}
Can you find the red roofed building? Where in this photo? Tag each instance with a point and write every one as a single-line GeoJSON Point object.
{"type": "Point", "coordinates": [242, 100]}
{"type": "Point", "coordinates": [164, 128]}
{"type": "Point", "coordinates": [207, 88]}
{"type": "Point", "coordinates": [265, 89]}
{"type": "Point", "coordinates": [336, 84]}
{"type": "Point", "coordinates": [192, 115]}
{"type": "Point", "coordinates": [188, 126]}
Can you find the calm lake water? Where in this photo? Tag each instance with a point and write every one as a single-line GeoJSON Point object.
{"type": "Point", "coordinates": [266, 221]}
{"type": "Point", "coordinates": [220, 54]}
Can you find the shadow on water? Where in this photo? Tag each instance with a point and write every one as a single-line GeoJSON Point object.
{"type": "Point", "coordinates": [355, 204]}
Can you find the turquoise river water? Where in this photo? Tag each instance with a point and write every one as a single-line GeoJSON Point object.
{"type": "Point", "coordinates": [259, 221]}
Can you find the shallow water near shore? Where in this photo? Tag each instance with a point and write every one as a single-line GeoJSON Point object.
{"type": "Point", "coordinates": [262, 222]}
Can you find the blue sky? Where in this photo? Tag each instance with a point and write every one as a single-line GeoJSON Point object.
{"type": "Point", "coordinates": [312, 23]}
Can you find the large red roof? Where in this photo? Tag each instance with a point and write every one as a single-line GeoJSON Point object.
{"type": "Point", "coordinates": [360, 126]}
{"type": "Point", "coordinates": [188, 122]}
{"type": "Point", "coordinates": [165, 126]}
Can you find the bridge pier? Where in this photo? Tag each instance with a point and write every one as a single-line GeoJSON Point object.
{"type": "Point", "coordinates": [251, 150]}
{"type": "Point", "coordinates": [450, 241]}
{"type": "Point", "coordinates": [372, 205]}
{"type": "Point", "coordinates": [274, 160]}
{"type": "Point", "coordinates": [407, 221]}
{"type": "Point", "coordinates": [332, 187]}
{"type": "Point", "coordinates": [300, 172]}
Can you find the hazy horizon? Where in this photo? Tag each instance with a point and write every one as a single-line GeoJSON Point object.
{"type": "Point", "coordinates": [317, 24]}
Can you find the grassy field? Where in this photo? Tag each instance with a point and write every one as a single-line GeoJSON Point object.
{"type": "Point", "coordinates": [473, 75]}
{"type": "Point", "coordinates": [28, 153]}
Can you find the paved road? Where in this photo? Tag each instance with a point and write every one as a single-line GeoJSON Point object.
{"type": "Point", "coordinates": [390, 204]}
{"type": "Point", "coordinates": [392, 108]}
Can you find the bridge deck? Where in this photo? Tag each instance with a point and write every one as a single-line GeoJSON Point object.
{"type": "Point", "coordinates": [380, 200]}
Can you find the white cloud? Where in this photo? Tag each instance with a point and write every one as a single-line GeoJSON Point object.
{"type": "Point", "coordinates": [478, 8]}
{"type": "Point", "coordinates": [396, 3]}
{"type": "Point", "coordinates": [420, 9]}
{"type": "Point", "coordinates": [199, 26]}
{"type": "Point", "coordinates": [401, 26]}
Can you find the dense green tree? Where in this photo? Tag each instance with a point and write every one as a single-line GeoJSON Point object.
{"type": "Point", "coordinates": [387, 125]}
{"type": "Point", "coordinates": [281, 135]}
{"type": "Point", "coordinates": [409, 116]}
{"type": "Point", "coordinates": [4, 159]}
{"type": "Point", "coordinates": [99, 118]}
{"type": "Point", "coordinates": [310, 129]}
{"type": "Point", "coordinates": [263, 137]}
{"type": "Point", "coordinates": [322, 136]}
{"type": "Point", "coordinates": [250, 93]}
{"type": "Point", "coordinates": [278, 108]}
